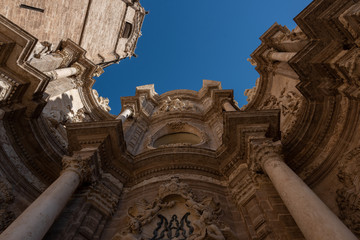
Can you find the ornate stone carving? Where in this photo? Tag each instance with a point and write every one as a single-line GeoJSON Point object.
{"type": "Point", "coordinates": [250, 93]}
{"type": "Point", "coordinates": [290, 103]}
{"type": "Point", "coordinates": [103, 102]}
{"type": "Point", "coordinates": [252, 61]}
{"type": "Point", "coordinates": [348, 197]}
{"type": "Point", "coordinates": [79, 78]}
{"type": "Point", "coordinates": [67, 55]}
{"type": "Point", "coordinates": [7, 87]}
{"type": "Point", "coordinates": [172, 105]}
{"type": "Point", "coordinates": [83, 163]}
{"type": "Point", "coordinates": [6, 198]}
{"type": "Point", "coordinates": [262, 150]}
{"type": "Point", "coordinates": [295, 35]}
{"type": "Point", "coordinates": [204, 222]}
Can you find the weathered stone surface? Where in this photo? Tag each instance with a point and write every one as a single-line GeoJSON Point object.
{"type": "Point", "coordinates": [185, 159]}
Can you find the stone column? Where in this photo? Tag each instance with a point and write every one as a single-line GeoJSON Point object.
{"type": "Point", "coordinates": [36, 220]}
{"type": "Point", "coordinates": [228, 107]}
{"type": "Point", "coordinates": [62, 73]}
{"type": "Point", "coordinates": [313, 217]}
{"type": "Point", "coordinates": [281, 56]}
{"type": "Point", "coordinates": [128, 111]}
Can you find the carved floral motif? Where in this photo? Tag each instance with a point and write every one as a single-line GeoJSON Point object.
{"type": "Point", "coordinates": [348, 197]}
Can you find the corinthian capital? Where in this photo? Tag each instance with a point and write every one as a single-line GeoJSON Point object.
{"type": "Point", "coordinates": [84, 163]}
{"type": "Point", "coordinates": [262, 150]}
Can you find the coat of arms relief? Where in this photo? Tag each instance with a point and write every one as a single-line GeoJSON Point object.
{"type": "Point", "coordinates": [175, 214]}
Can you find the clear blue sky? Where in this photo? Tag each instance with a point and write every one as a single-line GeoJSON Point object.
{"type": "Point", "coordinates": [186, 41]}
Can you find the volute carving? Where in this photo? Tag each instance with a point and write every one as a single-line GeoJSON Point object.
{"type": "Point", "coordinates": [348, 197]}
{"type": "Point", "coordinates": [196, 221]}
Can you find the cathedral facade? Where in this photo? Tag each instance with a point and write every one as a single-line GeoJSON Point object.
{"type": "Point", "coordinates": [184, 164]}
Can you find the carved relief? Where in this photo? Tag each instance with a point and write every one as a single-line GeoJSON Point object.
{"type": "Point", "coordinates": [175, 214]}
{"type": "Point", "coordinates": [6, 198]}
{"type": "Point", "coordinates": [103, 102]}
{"type": "Point", "coordinates": [290, 103]}
{"type": "Point", "coordinates": [7, 87]}
{"type": "Point", "coordinates": [172, 105]}
{"type": "Point", "coordinates": [348, 197]}
{"type": "Point", "coordinates": [295, 35]}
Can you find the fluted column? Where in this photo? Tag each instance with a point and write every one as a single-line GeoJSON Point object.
{"type": "Point", "coordinates": [128, 111]}
{"type": "Point", "coordinates": [36, 220]}
{"type": "Point", "coordinates": [228, 107]}
{"type": "Point", "coordinates": [313, 217]}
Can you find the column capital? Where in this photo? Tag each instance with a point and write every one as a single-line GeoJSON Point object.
{"type": "Point", "coordinates": [131, 107]}
{"type": "Point", "coordinates": [261, 151]}
{"type": "Point", "coordinates": [84, 163]}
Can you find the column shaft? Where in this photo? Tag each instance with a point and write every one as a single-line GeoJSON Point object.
{"type": "Point", "coordinates": [62, 73]}
{"type": "Point", "coordinates": [125, 114]}
{"type": "Point", "coordinates": [36, 220]}
{"type": "Point", "coordinates": [281, 56]}
{"type": "Point", "coordinates": [314, 218]}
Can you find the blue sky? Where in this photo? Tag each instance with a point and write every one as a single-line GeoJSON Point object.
{"type": "Point", "coordinates": [184, 42]}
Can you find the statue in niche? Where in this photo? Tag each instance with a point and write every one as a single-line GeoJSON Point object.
{"type": "Point", "coordinates": [201, 221]}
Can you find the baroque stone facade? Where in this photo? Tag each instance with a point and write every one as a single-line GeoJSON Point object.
{"type": "Point", "coordinates": [184, 164]}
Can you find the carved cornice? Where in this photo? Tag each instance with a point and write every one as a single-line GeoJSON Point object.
{"type": "Point", "coordinates": [239, 127]}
